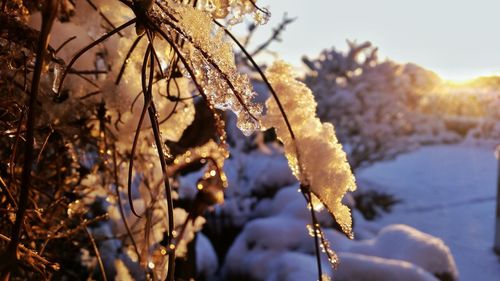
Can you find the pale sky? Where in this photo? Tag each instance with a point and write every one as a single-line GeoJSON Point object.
{"type": "Point", "coordinates": [458, 39]}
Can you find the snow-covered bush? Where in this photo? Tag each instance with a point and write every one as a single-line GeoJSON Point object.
{"type": "Point", "coordinates": [276, 243]}
{"type": "Point", "coordinates": [374, 105]}
{"type": "Point", "coordinates": [471, 108]}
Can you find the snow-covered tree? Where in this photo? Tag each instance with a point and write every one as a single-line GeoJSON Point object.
{"type": "Point", "coordinates": [374, 105]}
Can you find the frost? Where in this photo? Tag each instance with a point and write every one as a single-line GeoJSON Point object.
{"type": "Point", "coordinates": [211, 59]}
{"type": "Point", "coordinates": [215, 154]}
{"type": "Point", "coordinates": [76, 208]}
{"type": "Point", "coordinates": [232, 10]}
{"type": "Point", "coordinates": [261, 17]}
{"type": "Point", "coordinates": [315, 156]}
{"type": "Point", "coordinates": [325, 245]}
{"type": "Point", "coordinates": [180, 216]}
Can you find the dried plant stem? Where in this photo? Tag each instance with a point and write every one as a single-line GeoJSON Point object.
{"type": "Point", "coordinates": [103, 16]}
{"type": "Point", "coordinates": [159, 146]}
{"type": "Point", "coordinates": [204, 96]}
{"type": "Point", "coordinates": [97, 254]}
{"type": "Point", "coordinates": [147, 101]}
{"type": "Point", "coordinates": [90, 46]}
{"type": "Point", "coordinates": [10, 198]}
{"type": "Point", "coordinates": [12, 163]}
{"type": "Point", "coordinates": [315, 229]}
{"type": "Point", "coordinates": [120, 204]}
{"type": "Point", "coordinates": [48, 16]}
{"type": "Point", "coordinates": [127, 57]}
{"type": "Point", "coordinates": [64, 44]}
{"type": "Point", "coordinates": [33, 254]}
{"type": "Point", "coordinates": [271, 89]}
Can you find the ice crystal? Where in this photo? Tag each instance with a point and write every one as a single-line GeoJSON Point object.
{"type": "Point", "coordinates": [76, 208]}
{"type": "Point", "coordinates": [211, 59]}
{"type": "Point", "coordinates": [325, 245]}
{"type": "Point", "coordinates": [232, 10]}
{"type": "Point", "coordinates": [58, 70]}
{"type": "Point", "coordinates": [216, 153]}
{"type": "Point", "coordinates": [262, 16]}
{"type": "Point", "coordinates": [315, 156]}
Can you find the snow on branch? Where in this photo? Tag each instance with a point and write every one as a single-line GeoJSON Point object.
{"type": "Point", "coordinates": [315, 156]}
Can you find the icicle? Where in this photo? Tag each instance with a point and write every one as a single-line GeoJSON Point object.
{"type": "Point", "coordinates": [58, 72]}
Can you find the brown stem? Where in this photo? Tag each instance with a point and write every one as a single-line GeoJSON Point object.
{"type": "Point", "coordinates": [147, 101]}
{"type": "Point", "coordinates": [97, 254]}
{"type": "Point", "coordinates": [90, 46]}
{"type": "Point", "coordinates": [159, 146]}
{"type": "Point", "coordinates": [315, 229]}
{"type": "Point", "coordinates": [125, 60]}
{"type": "Point", "coordinates": [48, 16]}
{"type": "Point", "coordinates": [120, 205]}
{"type": "Point", "coordinates": [103, 16]}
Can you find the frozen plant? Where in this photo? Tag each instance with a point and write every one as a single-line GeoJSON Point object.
{"type": "Point", "coordinates": [96, 125]}
{"type": "Point", "coordinates": [327, 177]}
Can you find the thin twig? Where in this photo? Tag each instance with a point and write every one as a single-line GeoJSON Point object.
{"type": "Point", "coordinates": [90, 46]}
{"type": "Point", "coordinates": [103, 16]}
{"type": "Point", "coordinates": [159, 146]}
{"type": "Point", "coordinates": [315, 229]}
{"type": "Point", "coordinates": [147, 100]}
{"type": "Point", "coordinates": [44, 145]}
{"type": "Point", "coordinates": [64, 44]}
{"type": "Point", "coordinates": [97, 254]}
{"type": "Point", "coordinates": [120, 205]}
{"type": "Point", "coordinates": [48, 16]}
{"type": "Point", "coordinates": [274, 36]}
{"type": "Point", "coordinates": [33, 254]}
{"type": "Point", "coordinates": [125, 60]}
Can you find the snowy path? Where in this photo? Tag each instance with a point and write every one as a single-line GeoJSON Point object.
{"type": "Point", "coordinates": [450, 192]}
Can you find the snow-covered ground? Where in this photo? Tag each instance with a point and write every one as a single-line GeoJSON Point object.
{"type": "Point", "coordinates": [448, 191]}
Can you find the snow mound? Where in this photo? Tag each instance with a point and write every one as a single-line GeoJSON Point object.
{"type": "Point", "coordinates": [206, 258]}
{"type": "Point", "coordinates": [403, 243]}
{"type": "Point", "coordinates": [357, 267]}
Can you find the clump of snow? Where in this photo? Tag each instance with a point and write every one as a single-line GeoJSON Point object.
{"type": "Point", "coordinates": [275, 265]}
{"type": "Point", "coordinates": [209, 49]}
{"type": "Point", "coordinates": [329, 177]}
{"type": "Point", "coordinates": [275, 236]}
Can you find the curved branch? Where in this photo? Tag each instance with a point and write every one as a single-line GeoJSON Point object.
{"type": "Point", "coordinates": [90, 46]}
